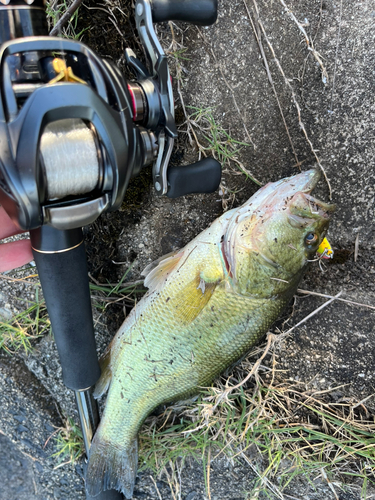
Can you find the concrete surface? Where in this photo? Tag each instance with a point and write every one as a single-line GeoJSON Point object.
{"type": "Point", "coordinates": [224, 70]}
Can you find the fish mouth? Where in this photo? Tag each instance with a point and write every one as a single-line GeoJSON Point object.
{"type": "Point", "coordinates": [309, 180]}
{"type": "Point", "coordinates": [304, 182]}
{"type": "Point", "coordinates": [283, 191]}
{"type": "Point", "coordinates": [306, 206]}
{"type": "Point", "coordinates": [302, 203]}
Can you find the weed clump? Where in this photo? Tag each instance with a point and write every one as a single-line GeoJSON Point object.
{"type": "Point", "coordinates": [68, 443]}
{"type": "Point", "coordinates": [17, 333]}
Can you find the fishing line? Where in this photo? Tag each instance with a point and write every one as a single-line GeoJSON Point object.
{"type": "Point", "coordinates": [65, 145]}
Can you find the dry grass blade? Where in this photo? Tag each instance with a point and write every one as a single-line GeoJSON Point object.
{"type": "Point", "coordinates": [270, 79]}
{"type": "Point", "coordinates": [230, 88]}
{"type": "Point", "coordinates": [287, 83]}
{"type": "Point", "coordinates": [329, 484]}
{"type": "Point", "coordinates": [309, 43]}
{"type": "Point", "coordinates": [314, 312]}
{"type": "Point", "coordinates": [201, 127]}
{"type": "Point", "coordinates": [232, 93]}
{"type": "Point", "coordinates": [317, 294]}
{"type": "Point", "coordinates": [356, 248]}
{"type": "Point", "coordinates": [156, 488]}
{"type": "Point", "coordinates": [21, 280]}
{"type": "Point", "coordinates": [338, 38]}
{"type": "Point", "coordinates": [208, 473]}
{"type": "Point", "coordinates": [178, 67]}
{"type": "Point", "coordinates": [224, 395]}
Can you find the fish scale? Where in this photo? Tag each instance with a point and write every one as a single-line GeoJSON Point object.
{"type": "Point", "coordinates": [208, 304]}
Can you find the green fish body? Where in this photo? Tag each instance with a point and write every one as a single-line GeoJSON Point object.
{"type": "Point", "coordinates": [206, 306]}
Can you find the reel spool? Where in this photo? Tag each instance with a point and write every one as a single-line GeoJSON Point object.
{"type": "Point", "coordinates": [62, 142]}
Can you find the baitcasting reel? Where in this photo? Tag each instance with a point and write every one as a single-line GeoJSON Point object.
{"type": "Point", "coordinates": [73, 132]}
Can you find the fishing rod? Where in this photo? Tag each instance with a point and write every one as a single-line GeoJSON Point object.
{"type": "Point", "coordinates": [73, 132]}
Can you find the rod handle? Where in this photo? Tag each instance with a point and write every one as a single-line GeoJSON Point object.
{"type": "Point", "coordinates": [61, 261]}
{"type": "Point", "coordinates": [200, 12]}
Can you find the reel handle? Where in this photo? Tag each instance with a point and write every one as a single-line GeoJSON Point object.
{"type": "Point", "coordinates": [200, 177]}
{"type": "Point", "coordinates": [199, 12]}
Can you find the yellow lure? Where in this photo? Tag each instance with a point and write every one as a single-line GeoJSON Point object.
{"type": "Point", "coordinates": [325, 250]}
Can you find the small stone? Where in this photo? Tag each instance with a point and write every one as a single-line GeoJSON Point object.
{"type": "Point", "coordinates": [22, 428]}
{"type": "Point", "coordinates": [56, 493]}
{"type": "Point", "coordinates": [191, 496]}
{"type": "Point", "coordinates": [39, 466]}
{"type": "Point", "coordinates": [79, 471]}
{"type": "Point", "coordinates": [139, 494]}
{"type": "Point", "coordinates": [48, 427]}
{"type": "Point", "coordinates": [5, 313]}
{"type": "Point", "coordinates": [20, 418]}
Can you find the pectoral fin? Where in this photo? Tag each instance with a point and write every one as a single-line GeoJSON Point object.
{"type": "Point", "coordinates": [194, 297]}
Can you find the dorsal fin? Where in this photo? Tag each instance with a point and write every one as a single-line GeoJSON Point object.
{"type": "Point", "coordinates": [158, 271]}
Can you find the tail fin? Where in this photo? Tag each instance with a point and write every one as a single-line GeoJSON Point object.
{"type": "Point", "coordinates": [111, 468]}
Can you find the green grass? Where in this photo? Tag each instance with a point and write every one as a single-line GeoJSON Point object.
{"type": "Point", "coordinates": [68, 443]}
{"type": "Point", "coordinates": [55, 10]}
{"type": "Point", "coordinates": [125, 292]}
{"type": "Point", "coordinates": [179, 54]}
{"type": "Point", "coordinates": [261, 424]}
{"type": "Point", "coordinates": [216, 141]}
{"type": "Point", "coordinates": [17, 333]}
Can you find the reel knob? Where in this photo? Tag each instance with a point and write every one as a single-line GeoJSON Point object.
{"type": "Point", "coordinates": [199, 12]}
{"type": "Point", "coordinates": [201, 177]}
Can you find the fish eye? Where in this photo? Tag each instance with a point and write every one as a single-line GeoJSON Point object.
{"type": "Point", "coordinates": [311, 238]}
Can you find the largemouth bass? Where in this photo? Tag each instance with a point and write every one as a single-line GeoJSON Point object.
{"type": "Point", "coordinates": [206, 306]}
